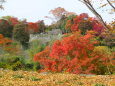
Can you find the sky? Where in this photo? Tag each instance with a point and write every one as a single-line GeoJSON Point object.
{"type": "Point", "coordinates": [34, 10]}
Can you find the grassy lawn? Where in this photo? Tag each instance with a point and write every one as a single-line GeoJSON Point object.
{"type": "Point", "coordinates": [24, 78]}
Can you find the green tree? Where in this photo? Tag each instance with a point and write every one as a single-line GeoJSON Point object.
{"type": "Point", "coordinates": [20, 34]}
{"type": "Point", "coordinates": [42, 26]}
{"type": "Point", "coordinates": [5, 28]}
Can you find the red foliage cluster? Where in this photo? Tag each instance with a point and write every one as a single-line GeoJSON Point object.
{"type": "Point", "coordinates": [74, 24]}
{"type": "Point", "coordinates": [4, 41]}
{"type": "Point", "coordinates": [33, 27]}
{"type": "Point", "coordinates": [0, 20]}
{"type": "Point", "coordinates": [72, 54]}
{"type": "Point", "coordinates": [13, 21]}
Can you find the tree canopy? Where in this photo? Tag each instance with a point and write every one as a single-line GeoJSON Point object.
{"type": "Point", "coordinates": [103, 3]}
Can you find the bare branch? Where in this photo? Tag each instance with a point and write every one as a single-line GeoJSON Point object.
{"type": "Point", "coordinates": [1, 2]}
{"type": "Point", "coordinates": [92, 9]}
{"type": "Point", "coordinates": [111, 4]}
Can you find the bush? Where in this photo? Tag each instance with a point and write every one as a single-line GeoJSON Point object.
{"type": "Point", "coordinates": [4, 42]}
{"type": "Point", "coordinates": [32, 66]}
{"type": "Point", "coordinates": [17, 66]}
{"type": "Point", "coordinates": [14, 48]}
{"type": "Point", "coordinates": [29, 66]}
{"type": "Point", "coordinates": [35, 47]}
{"type": "Point", "coordinates": [12, 62]}
{"type": "Point", "coordinates": [74, 54]}
{"type": "Point", "coordinates": [4, 65]}
{"type": "Point", "coordinates": [36, 66]}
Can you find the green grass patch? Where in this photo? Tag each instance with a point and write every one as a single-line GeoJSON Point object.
{"type": "Point", "coordinates": [60, 82]}
{"type": "Point", "coordinates": [35, 79]}
{"type": "Point", "coordinates": [79, 83]}
{"type": "Point", "coordinates": [1, 76]}
{"type": "Point", "coordinates": [99, 84]}
{"type": "Point", "coordinates": [18, 76]}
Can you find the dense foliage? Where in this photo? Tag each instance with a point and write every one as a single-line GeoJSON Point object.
{"type": "Point", "coordinates": [83, 22]}
{"type": "Point", "coordinates": [4, 41]}
{"type": "Point", "coordinates": [20, 34]}
{"type": "Point", "coordinates": [109, 35]}
{"type": "Point", "coordinates": [74, 43]}
{"type": "Point", "coordinates": [32, 27]}
{"type": "Point", "coordinates": [75, 54]}
{"type": "Point", "coordinates": [5, 28]}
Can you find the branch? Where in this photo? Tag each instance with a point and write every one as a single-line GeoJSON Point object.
{"type": "Point", "coordinates": [91, 8]}
{"type": "Point", "coordinates": [96, 13]}
{"type": "Point", "coordinates": [1, 2]}
{"type": "Point", "coordinates": [111, 4]}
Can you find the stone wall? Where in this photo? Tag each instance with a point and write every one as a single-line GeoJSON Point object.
{"type": "Point", "coordinates": [55, 34]}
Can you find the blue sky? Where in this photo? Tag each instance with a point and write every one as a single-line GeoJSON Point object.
{"type": "Point", "coordinates": [34, 10]}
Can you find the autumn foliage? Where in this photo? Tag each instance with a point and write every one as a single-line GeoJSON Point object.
{"type": "Point", "coordinates": [85, 47]}
{"type": "Point", "coordinates": [5, 43]}
{"type": "Point", "coordinates": [84, 23]}
{"type": "Point", "coordinates": [75, 54]}
{"type": "Point", "coordinates": [36, 27]}
{"type": "Point", "coordinates": [59, 12]}
{"type": "Point", "coordinates": [13, 21]}
{"type": "Point", "coordinates": [32, 27]}
{"type": "Point", "coordinates": [109, 35]}
{"type": "Point", "coordinates": [4, 40]}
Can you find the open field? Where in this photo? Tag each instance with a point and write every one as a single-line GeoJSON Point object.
{"type": "Point", "coordinates": [24, 78]}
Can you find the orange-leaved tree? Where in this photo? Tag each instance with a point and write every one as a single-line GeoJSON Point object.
{"type": "Point", "coordinates": [4, 42]}
{"type": "Point", "coordinates": [8, 45]}
{"type": "Point", "coordinates": [84, 23]}
{"type": "Point", "coordinates": [32, 27]}
{"type": "Point", "coordinates": [75, 54]}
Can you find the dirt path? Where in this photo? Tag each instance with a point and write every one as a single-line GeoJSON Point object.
{"type": "Point", "coordinates": [24, 78]}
